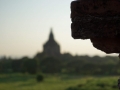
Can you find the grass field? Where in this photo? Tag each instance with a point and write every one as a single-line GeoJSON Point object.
{"type": "Point", "coordinates": [57, 82]}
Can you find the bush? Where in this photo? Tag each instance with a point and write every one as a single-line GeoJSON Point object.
{"type": "Point", "coordinates": [73, 88]}
{"type": "Point", "coordinates": [80, 85]}
{"type": "Point", "coordinates": [102, 85]}
{"type": "Point", "coordinates": [39, 78]}
{"type": "Point", "coordinates": [114, 86]}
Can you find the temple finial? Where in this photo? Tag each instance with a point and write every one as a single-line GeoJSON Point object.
{"type": "Point", "coordinates": [51, 36]}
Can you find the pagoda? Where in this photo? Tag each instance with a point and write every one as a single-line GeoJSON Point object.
{"type": "Point", "coordinates": [51, 47]}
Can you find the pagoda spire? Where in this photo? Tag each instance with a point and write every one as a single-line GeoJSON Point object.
{"type": "Point", "coordinates": [51, 36]}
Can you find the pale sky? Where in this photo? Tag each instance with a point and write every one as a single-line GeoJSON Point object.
{"type": "Point", "coordinates": [25, 27]}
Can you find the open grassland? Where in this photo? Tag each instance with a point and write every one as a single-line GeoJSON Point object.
{"type": "Point", "coordinates": [57, 82]}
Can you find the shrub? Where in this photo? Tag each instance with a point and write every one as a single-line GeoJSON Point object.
{"type": "Point", "coordinates": [114, 86]}
{"type": "Point", "coordinates": [102, 85]}
{"type": "Point", "coordinates": [39, 78]}
{"type": "Point", "coordinates": [73, 88]}
{"type": "Point", "coordinates": [80, 85]}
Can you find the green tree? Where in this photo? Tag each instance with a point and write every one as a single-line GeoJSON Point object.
{"type": "Point", "coordinates": [30, 66]}
{"type": "Point", "coordinates": [50, 65]}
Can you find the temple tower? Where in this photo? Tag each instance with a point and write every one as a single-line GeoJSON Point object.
{"type": "Point", "coordinates": [51, 47]}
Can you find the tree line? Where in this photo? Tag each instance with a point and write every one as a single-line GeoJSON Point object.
{"type": "Point", "coordinates": [66, 63]}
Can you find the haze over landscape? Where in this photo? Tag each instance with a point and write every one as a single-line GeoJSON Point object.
{"type": "Point", "coordinates": [25, 26]}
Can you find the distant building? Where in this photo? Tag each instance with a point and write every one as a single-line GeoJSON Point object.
{"type": "Point", "coordinates": [51, 47]}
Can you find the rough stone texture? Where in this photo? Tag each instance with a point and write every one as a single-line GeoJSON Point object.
{"type": "Point", "coordinates": [98, 20]}
{"type": "Point", "coordinates": [108, 45]}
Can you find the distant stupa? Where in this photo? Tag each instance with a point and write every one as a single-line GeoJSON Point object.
{"type": "Point", "coordinates": [51, 47]}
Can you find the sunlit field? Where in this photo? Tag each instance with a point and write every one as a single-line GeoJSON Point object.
{"type": "Point", "coordinates": [57, 82]}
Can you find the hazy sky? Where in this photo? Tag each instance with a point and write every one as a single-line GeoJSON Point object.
{"type": "Point", "coordinates": [25, 26]}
